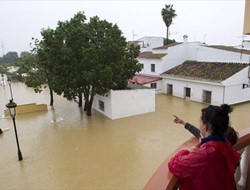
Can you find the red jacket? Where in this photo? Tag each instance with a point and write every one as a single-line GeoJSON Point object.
{"type": "Point", "coordinates": [210, 167]}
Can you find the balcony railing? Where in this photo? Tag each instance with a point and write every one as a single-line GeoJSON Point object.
{"type": "Point", "coordinates": [163, 179]}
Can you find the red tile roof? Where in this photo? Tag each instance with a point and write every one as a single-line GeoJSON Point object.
{"type": "Point", "coordinates": [144, 79]}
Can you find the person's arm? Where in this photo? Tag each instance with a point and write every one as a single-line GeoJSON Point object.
{"type": "Point", "coordinates": [192, 129]}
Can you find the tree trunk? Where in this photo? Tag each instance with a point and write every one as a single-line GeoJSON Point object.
{"type": "Point", "coordinates": [89, 106]}
{"type": "Point", "coordinates": [51, 96]}
{"type": "Point", "coordinates": [167, 34]}
{"type": "Point", "coordinates": [80, 100]}
{"type": "Point", "coordinates": [86, 103]}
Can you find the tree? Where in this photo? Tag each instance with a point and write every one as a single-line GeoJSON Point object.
{"type": "Point", "coordinates": [34, 77]}
{"type": "Point", "coordinates": [110, 61]}
{"type": "Point", "coordinates": [72, 39]}
{"type": "Point", "coordinates": [46, 52]}
{"type": "Point", "coordinates": [90, 58]}
{"type": "Point", "coordinates": [168, 14]}
{"type": "Point", "coordinates": [79, 59]}
{"type": "Point", "coordinates": [39, 65]}
{"type": "Point", "coordinates": [169, 41]}
{"type": "Point", "coordinates": [10, 57]}
{"type": "Point", "coordinates": [24, 53]}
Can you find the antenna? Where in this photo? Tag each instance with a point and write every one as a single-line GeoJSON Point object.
{"type": "Point", "coordinates": [133, 34]}
{"type": "Point", "coordinates": [2, 47]}
{"type": "Point", "coordinates": [242, 46]}
{"type": "Point", "coordinates": [204, 38]}
{"type": "Point", "coordinates": [249, 70]}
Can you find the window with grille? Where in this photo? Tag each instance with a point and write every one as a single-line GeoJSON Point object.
{"type": "Point", "coordinates": [187, 92]}
{"type": "Point", "coordinates": [101, 105]}
{"type": "Point", "coordinates": [153, 85]}
{"type": "Point", "coordinates": [152, 67]}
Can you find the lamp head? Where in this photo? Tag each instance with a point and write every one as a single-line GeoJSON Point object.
{"type": "Point", "coordinates": [12, 108]}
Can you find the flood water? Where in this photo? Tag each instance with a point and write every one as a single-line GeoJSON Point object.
{"type": "Point", "coordinates": [65, 149]}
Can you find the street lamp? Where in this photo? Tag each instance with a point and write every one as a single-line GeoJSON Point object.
{"type": "Point", "coordinates": [12, 109]}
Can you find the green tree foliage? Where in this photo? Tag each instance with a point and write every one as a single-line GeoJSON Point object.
{"type": "Point", "coordinates": [71, 39]}
{"type": "Point", "coordinates": [169, 41]}
{"type": "Point", "coordinates": [109, 61]}
{"type": "Point", "coordinates": [3, 70]}
{"type": "Point", "coordinates": [39, 65]}
{"type": "Point", "coordinates": [28, 69]}
{"type": "Point", "coordinates": [10, 57]}
{"type": "Point", "coordinates": [24, 53]}
{"type": "Point", "coordinates": [168, 14]}
{"type": "Point", "coordinates": [81, 59]}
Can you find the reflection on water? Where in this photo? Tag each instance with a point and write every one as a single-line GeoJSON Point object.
{"type": "Point", "coordinates": [64, 149]}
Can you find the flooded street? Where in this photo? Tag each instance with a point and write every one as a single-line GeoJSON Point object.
{"type": "Point", "coordinates": [65, 149]}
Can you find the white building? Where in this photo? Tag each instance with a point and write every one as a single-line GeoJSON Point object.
{"type": "Point", "coordinates": [209, 82]}
{"type": "Point", "coordinates": [157, 61]}
{"type": "Point", "coordinates": [124, 103]}
{"type": "Point", "coordinates": [191, 70]}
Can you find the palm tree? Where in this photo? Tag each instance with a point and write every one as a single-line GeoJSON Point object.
{"type": "Point", "coordinates": [168, 13]}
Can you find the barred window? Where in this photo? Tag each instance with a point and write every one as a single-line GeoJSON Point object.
{"type": "Point", "coordinates": [101, 105]}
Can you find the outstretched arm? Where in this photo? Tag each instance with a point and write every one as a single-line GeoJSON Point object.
{"type": "Point", "coordinates": [192, 129]}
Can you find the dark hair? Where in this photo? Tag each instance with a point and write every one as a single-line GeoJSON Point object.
{"type": "Point", "coordinates": [216, 118]}
{"type": "Point", "coordinates": [232, 135]}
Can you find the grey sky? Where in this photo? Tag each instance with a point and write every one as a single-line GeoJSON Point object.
{"type": "Point", "coordinates": [215, 21]}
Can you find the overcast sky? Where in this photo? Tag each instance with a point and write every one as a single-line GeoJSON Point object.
{"type": "Point", "coordinates": [212, 21]}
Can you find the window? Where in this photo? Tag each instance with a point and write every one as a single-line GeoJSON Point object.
{"type": "Point", "coordinates": [142, 66]}
{"type": "Point", "coordinates": [152, 67]}
{"type": "Point", "coordinates": [101, 105]}
{"type": "Point", "coordinates": [187, 92]}
{"type": "Point", "coordinates": [153, 85]}
{"type": "Point", "coordinates": [170, 89]}
{"type": "Point", "coordinates": [207, 96]}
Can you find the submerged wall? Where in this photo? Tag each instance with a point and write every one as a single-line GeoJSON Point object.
{"type": "Point", "coordinates": [124, 103]}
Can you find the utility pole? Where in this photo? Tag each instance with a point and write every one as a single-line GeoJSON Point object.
{"type": "Point", "coordinates": [2, 47]}
{"type": "Point", "coordinates": [133, 34]}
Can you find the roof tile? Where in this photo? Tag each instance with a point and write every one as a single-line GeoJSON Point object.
{"type": "Point", "coordinates": [209, 71]}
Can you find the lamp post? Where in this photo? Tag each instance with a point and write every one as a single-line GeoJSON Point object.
{"type": "Point", "coordinates": [9, 82]}
{"type": "Point", "coordinates": [12, 109]}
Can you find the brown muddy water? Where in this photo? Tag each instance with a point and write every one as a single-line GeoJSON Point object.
{"type": "Point", "coordinates": [65, 149]}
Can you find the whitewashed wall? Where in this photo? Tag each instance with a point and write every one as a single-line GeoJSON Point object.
{"type": "Point", "coordinates": [246, 45]}
{"type": "Point", "coordinates": [125, 103]}
{"type": "Point", "coordinates": [150, 42]}
{"type": "Point", "coordinates": [216, 55]}
{"type": "Point", "coordinates": [159, 88]}
{"type": "Point", "coordinates": [147, 66]}
{"type": "Point", "coordinates": [234, 88]}
{"type": "Point", "coordinates": [229, 91]}
{"type": "Point", "coordinates": [196, 90]}
{"type": "Point", "coordinates": [236, 94]}
{"type": "Point", "coordinates": [178, 54]}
